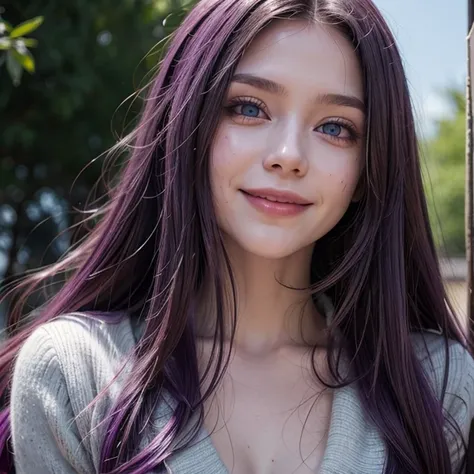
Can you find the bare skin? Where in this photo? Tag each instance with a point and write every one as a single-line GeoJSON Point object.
{"type": "Point", "coordinates": [270, 414]}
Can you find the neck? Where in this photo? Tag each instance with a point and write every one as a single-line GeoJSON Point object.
{"type": "Point", "coordinates": [270, 314]}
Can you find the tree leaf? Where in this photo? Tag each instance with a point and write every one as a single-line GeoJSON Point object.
{"type": "Point", "coordinates": [29, 42]}
{"type": "Point", "coordinates": [25, 58]}
{"type": "Point", "coordinates": [14, 69]}
{"type": "Point", "coordinates": [19, 45]}
{"type": "Point", "coordinates": [26, 27]}
{"type": "Point", "coordinates": [5, 26]}
{"type": "Point", "coordinates": [5, 44]}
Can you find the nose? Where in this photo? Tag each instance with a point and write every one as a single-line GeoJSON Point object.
{"type": "Point", "coordinates": [286, 156]}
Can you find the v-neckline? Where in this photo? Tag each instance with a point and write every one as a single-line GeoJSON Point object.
{"type": "Point", "coordinates": [326, 460]}
{"type": "Point", "coordinates": [354, 444]}
{"type": "Point", "coordinates": [350, 435]}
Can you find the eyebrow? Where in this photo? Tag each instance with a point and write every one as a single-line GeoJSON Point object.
{"type": "Point", "coordinates": [278, 89]}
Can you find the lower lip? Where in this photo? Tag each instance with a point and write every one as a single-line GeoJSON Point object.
{"type": "Point", "coordinates": [275, 208]}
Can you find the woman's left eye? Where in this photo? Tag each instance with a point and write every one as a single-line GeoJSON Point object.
{"type": "Point", "coordinates": [337, 131]}
{"type": "Point", "coordinates": [333, 129]}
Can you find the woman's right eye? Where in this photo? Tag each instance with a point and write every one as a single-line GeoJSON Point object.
{"type": "Point", "coordinates": [247, 109]}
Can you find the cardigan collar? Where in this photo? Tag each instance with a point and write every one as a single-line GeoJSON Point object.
{"type": "Point", "coordinates": [352, 436]}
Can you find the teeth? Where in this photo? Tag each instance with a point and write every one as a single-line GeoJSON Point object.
{"type": "Point", "coordinates": [270, 198]}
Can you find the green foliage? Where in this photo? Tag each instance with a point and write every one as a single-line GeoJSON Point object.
{"type": "Point", "coordinates": [26, 27]}
{"type": "Point", "coordinates": [446, 170]}
{"type": "Point", "coordinates": [15, 47]}
{"type": "Point", "coordinates": [92, 55]}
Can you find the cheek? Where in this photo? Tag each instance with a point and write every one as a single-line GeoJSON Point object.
{"type": "Point", "coordinates": [223, 152]}
{"type": "Point", "coordinates": [340, 176]}
{"type": "Point", "coordinates": [221, 162]}
{"type": "Point", "coordinates": [224, 163]}
{"type": "Point", "coordinates": [348, 183]}
{"type": "Point", "coordinates": [232, 155]}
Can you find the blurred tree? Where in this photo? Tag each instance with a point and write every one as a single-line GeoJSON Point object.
{"type": "Point", "coordinates": [446, 172]}
{"type": "Point", "coordinates": [59, 120]}
{"type": "Point", "coordinates": [14, 45]}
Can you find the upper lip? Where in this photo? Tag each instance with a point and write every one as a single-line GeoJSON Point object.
{"type": "Point", "coordinates": [278, 195]}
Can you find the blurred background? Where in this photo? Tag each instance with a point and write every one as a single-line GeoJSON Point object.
{"type": "Point", "coordinates": [67, 73]}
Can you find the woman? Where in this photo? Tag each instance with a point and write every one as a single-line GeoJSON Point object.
{"type": "Point", "coordinates": [262, 292]}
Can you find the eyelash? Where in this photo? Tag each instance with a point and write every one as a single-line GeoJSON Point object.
{"type": "Point", "coordinates": [353, 137]}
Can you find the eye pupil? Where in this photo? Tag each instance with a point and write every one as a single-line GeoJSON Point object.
{"type": "Point", "coordinates": [250, 110]}
{"type": "Point", "coordinates": [332, 129]}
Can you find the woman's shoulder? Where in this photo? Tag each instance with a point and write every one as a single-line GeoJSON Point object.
{"type": "Point", "coordinates": [458, 402]}
{"type": "Point", "coordinates": [430, 347]}
{"type": "Point", "coordinates": [83, 347]}
{"type": "Point", "coordinates": [81, 338]}
{"type": "Point", "coordinates": [58, 372]}
{"type": "Point", "coordinates": [434, 351]}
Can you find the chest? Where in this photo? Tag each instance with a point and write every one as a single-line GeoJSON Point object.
{"type": "Point", "coordinates": [270, 417]}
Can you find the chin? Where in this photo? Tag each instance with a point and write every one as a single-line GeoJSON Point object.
{"type": "Point", "coordinates": [270, 253]}
{"type": "Point", "coordinates": [268, 248]}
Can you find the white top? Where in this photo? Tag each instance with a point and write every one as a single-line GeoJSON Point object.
{"type": "Point", "coordinates": [64, 364]}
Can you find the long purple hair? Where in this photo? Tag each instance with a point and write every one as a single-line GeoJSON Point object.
{"type": "Point", "coordinates": [157, 241]}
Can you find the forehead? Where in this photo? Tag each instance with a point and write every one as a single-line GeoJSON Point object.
{"type": "Point", "coordinates": [306, 56]}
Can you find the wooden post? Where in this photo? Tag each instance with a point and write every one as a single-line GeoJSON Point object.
{"type": "Point", "coordinates": [470, 14]}
{"type": "Point", "coordinates": [469, 207]}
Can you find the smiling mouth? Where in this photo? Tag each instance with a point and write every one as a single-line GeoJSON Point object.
{"type": "Point", "coordinates": [274, 199]}
{"type": "Point", "coordinates": [279, 196]}
{"type": "Point", "coordinates": [275, 205]}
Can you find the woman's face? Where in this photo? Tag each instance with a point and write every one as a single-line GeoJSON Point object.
{"type": "Point", "coordinates": [292, 122]}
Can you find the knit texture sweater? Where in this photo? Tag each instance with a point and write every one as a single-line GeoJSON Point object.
{"type": "Point", "coordinates": [65, 363]}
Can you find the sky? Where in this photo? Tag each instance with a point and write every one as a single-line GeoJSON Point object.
{"type": "Point", "coordinates": [431, 35]}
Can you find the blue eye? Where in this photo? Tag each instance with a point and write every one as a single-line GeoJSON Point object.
{"type": "Point", "coordinates": [332, 129]}
{"type": "Point", "coordinates": [250, 110]}
{"type": "Point", "coordinates": [341, 133]}
{"type": "Point", "coordinates": [246, 109]}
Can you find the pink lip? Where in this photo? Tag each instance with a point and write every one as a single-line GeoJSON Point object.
{"type": "Point", "coordinates": [286, 204]}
